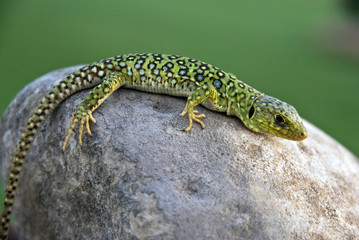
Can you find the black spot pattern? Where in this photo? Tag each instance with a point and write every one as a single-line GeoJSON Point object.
{"type": "Point", "coordinates": [181, 62]}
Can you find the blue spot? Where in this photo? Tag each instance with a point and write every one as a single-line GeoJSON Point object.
{"type": "Point", "coordinates": [137, 65]}
{"type": "Point", "coordinates": [122, 64]}
{"type": "Point", "coordinates": [158, 79]}
{"type": "Point", "coordinates": [152, 65]}
{"type": "Point", "coordinates": [165, 68]}
{"type": "Point", "coordinates": [200, 71]}
{"type": "Point", "coordinates": [182, 72]}
{"type": "Point", "coordinates": [142, 72]}
{"type": "Point", "coordinates": [199, 77]}
{"type": "Point", "coordinates": [217, 84]}
{"type": "Point", "coordinates": [156, 71]}
{"type": "Point", "coordinates": [143, 78]}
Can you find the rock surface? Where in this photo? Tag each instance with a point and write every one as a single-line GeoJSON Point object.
{"type": "Point", "coordinates": [141, 177]}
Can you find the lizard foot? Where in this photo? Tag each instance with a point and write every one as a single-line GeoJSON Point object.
{"type": "Point", "coordinates": [193, 117]}
{"type": "Point", "coordinates": [83, 118]}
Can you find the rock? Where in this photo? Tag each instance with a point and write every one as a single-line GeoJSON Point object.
{"type": "Point", "coordinates": [142, 177]}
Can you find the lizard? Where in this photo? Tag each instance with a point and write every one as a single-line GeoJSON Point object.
{"type": "Point", "coordinates": [174, 75]}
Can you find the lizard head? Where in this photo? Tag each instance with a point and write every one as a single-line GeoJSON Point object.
{"type": "Point", "coordinates": [270, 115]}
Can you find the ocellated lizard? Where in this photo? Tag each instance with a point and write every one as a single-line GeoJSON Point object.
{"type": "Point", "coordinates": [174, 75]}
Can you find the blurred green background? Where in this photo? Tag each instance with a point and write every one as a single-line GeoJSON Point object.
{"type": "Point", "coordinates": [292, 50]}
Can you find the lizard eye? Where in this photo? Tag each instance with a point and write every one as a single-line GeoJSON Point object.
{"type": "Point", "coordinates": [251, 112]}
{"type": "Point", "coordinates": [279, 120]}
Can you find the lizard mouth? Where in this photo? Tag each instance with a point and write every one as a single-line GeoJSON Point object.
{"type": "Point", "coordinates": [298, 135]}
{"type": "Point", "coordinates": [301, 136]}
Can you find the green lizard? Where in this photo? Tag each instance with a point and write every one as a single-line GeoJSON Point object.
{"type": "Point", "coordinates": [174, 75]}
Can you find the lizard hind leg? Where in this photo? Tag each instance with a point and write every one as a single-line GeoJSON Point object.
{"type": "Point", "coordinates": [83, 114]}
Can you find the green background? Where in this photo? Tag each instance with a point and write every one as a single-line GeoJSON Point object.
{"type": "Point", "coordinates": [281, 47]}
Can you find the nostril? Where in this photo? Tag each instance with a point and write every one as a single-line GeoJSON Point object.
{"type": "Point", "coordinates": [303, 135]}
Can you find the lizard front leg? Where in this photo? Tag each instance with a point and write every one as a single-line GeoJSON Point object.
{"type": "Point", "coordinates": [83, 114]}
{"type": "Point", "coordinates": [199, 95]}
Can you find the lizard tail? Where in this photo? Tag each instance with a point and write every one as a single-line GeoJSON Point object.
{"type": "Point", "coordinates": [75, 82]}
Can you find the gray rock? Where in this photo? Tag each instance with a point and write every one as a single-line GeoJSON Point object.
{"type": "Point", "coordinates": [142, 177]}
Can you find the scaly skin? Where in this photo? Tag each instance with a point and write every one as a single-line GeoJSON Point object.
{"type": "Point", "coordinates": [173, 75]}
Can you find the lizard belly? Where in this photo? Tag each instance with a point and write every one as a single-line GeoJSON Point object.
{"type": "Point", "coordinates": [160, 90]}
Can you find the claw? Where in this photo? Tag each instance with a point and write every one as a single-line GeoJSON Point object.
{"type": "Point", "coordinates": [193, 117]}
{"type": "Point", "coordinates": [184, 112]}
{"type": "Point", "coordinates": [83, 120]}
{"type": "Point", "coordinates": [93, 120]}
{"type": "Point", "coordinates": [81, 129]}
{"type": "Point", "coordinates": [88, 126]}
{"type": "Point", "coordinates": [66, 139]}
